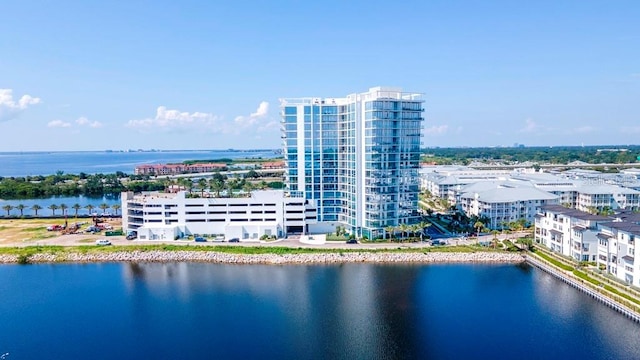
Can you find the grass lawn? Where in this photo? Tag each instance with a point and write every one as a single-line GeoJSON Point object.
{"type": "Point", "coordinates": [24, 230]}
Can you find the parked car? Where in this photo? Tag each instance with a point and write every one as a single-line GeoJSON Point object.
{"type": "Point", "coordinates": [92, 229]}
{"type": "Point", "coordinates": [352, 241]}
{"type": "Point", "coordinates": [103, 242]}
{"type": "Point", "coordinates": [219, 238]}
{"type": "Point", "coordinates": [131, 237]}
{"type": "Point", "coordinates": [234, 240]}
{"type": "Point", "coordinates": [200, 239]}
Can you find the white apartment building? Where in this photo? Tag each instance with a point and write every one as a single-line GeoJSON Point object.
{"type": "Point", "coordinates": [169, 216]}
{"type": "Point", "coordinates": [569, 232]}
{"type": "Point", "coordinates": [616, 247]}
{"type": "Point", "coordinates": [503, 202]}
{"type": "Point", "coordinates": [357, 156]}
{"type": "Point", "coordinates": [603, 197]}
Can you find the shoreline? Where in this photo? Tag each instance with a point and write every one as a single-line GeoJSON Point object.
{"type": "Point", "coordinates": [163, 256]}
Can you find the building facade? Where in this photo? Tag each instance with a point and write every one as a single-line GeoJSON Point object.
{"type": "Point", "coordinates": [357, 157]}
{"type": "Point", "coordinates": [569, 232]}
{"type": "Point", "coordinates": [616, 247]}
{"type": "Point", "coordinates": [169, 216]}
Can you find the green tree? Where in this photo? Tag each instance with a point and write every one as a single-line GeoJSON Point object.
{"type": "Point", "coordinates": [90, 208]}
{"type": "Point", "coordinates": [35, 208]}
{"type": "Point", "coordinates": [103, 207]}
{"type": "Point", "coordinates": [478, 225]}
{"type": "Point", "coordinates": [53, 208]}
{"type": "Point", "coordinates": [216, 185]}
{"type": "Point", "coordinates": [76, 207]}
{"type": "Point", "coordinates": [7, 208]}
{"type": "Point", "coordinates": [21, 208]}
{"type": "Point", "coordinates": [63, 208]}
{"type": "Point", "coordinates": [423, 225]}
{"type": "Point", "coordinates": [390, 230]}
{"type": "Point", "coordinates": [251, 174]}
{"type": "Point", "coordinates": [202, 184]}
{"type": "Point", "coordinates": [115, 208]}
{"type": "Point", "coordinates": [404, 228]}
{"type": "Point", "coordinates": [248, 187]}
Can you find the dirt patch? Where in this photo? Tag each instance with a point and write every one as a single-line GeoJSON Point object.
{"type": "Point", "coordinates": [23, 232]}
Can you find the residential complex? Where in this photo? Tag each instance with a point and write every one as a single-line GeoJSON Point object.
{"type": "Point", "coordinates": [607, 240]}
{"type": "Point", "coordinates": [169, 216]}
{"type": "Point", "coordinates": [356, 157]}
{"type": "Point", "coordinates": [504, 196]}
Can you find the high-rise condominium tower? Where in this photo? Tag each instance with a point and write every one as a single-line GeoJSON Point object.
{"type": "Point", "coordinates": [357, 156]}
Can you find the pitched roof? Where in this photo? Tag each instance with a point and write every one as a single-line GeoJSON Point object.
{"type": "Point", "coordinates": [558, 209]}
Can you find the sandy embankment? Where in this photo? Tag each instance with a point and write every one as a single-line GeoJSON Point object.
{"type": "Point", "coordinates": [224, 258]}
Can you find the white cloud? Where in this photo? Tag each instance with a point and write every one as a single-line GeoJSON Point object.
{"type": "Point", "coordinates": [530, 126]}
{"type": "Point", "coordinates": [83, 121]}
{"type": "Point", "coordinates": [436, 130]}
{"type": "Point", "coordinates": [254, 118]}
{"type": "Point", "coordinates": [10, 109]}
{"type": "Point", "coordinates": [58, 124]}
{"type": "Point", "coordinates": [166, 118]}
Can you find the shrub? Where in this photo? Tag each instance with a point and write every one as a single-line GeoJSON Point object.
{"type": "Point", "coordinates": [23, 259]}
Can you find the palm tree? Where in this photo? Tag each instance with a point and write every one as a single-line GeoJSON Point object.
{"type": "Point", "coordinates": [63, 207]}
{"type": "Point", "coordinates": [21, 208]}
{"type": "Point", "coordinates": [231, 185]}
{"type": "Point", "coordinates": [187, 183]}
{"type": "Point", "coordinates": [404, 228]}
{"type": "Point", "coordinates": [76, 207]}
{"type": "Point", "coordinates": [216, 185]}
{"type": "Point", "coordinates": [7, 208]}
{"type": "Point", "coordinates": [423, 225]}
{"type": "Point", "coordinates": [90, 208]}
{"type": "Point", "coordinates": [495, 237]}
{"type": "Point", "coordinates": [115, 208]}
{"type": "Point", "coordinates": [248, 187]}
{"type": "Point", "coordinates": [389, 230]}
{"type": "Point", "coordinates": [53, 208]}
{"type": "Point", "coordinates": [35, 208]}
{"type": "Point", "coordinates": [478, 226]}
{"type": "Point", "coordinates": [202, 184]}
{"type": "Point", "coordinates": [103, 207]}
{"type": "Point", "coordinates": [414, 229]}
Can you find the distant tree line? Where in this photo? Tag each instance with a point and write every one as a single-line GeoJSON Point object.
{"type": "Point", "coordinates": [550, 155]}
{"type": "Point", "coordinates": [95, 185]}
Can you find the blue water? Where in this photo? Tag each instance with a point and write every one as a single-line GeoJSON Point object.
{"type": "Point", "coordinates": [58, 200]}
{"type": "Point", "coordinates": [351, 311]}
{"type": "Point", "coordinates": [93, 162]}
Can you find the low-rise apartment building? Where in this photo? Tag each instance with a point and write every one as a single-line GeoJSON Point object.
{"type": "Point", "coordinates": [616, 247]}
{"type": "Point", "coordinates": [503, 203]}
{"type": "Point", "coordinates": [169, 216]}
{"type": "Point", "coordinates": [569, 232]}
{"type": "Point", "coordinates": [175, 169]}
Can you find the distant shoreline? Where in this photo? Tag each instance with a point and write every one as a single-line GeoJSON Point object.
{"type": "Point", "coordinates": [164, 256]}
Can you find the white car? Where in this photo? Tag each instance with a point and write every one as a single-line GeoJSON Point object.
{"type": "Point", "coordinates": [103, 242]}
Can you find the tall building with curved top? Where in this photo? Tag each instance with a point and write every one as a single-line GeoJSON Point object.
{"type": "Point", "coordinates": [356, 156]}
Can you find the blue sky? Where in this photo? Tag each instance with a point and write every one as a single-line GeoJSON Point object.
{"type": "Point", "coordinates": [89, 75]}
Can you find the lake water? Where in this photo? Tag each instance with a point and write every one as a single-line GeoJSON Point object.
{"type": "Point", "coordinates": [93, 162]}
{"type": "Point", "coordinates": [350, 311]}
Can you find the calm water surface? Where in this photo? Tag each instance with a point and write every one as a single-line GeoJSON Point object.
{"type": "Point", "coordinates": [93, 162]}
{"type": "Point", "coordinates": [351, 311]}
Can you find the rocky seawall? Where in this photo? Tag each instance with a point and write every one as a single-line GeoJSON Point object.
{"type": "Point", "coordinates": [225, 258]}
